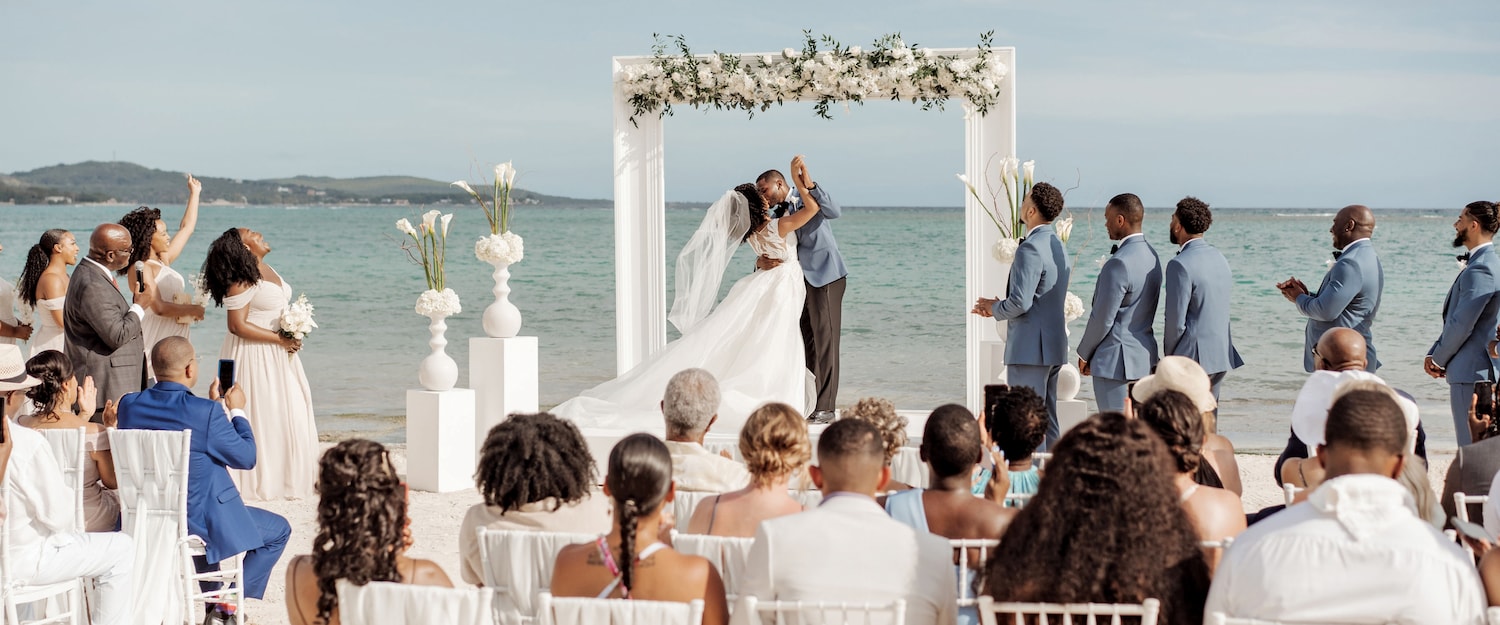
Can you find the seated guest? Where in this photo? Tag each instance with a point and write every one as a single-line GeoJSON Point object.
{"type": "Point", "coordinates": [848, 549]}
{"type": "Point", "coordinates": [881, 413]}
{"type": "Point", "coordinates": [363, 534]}
{"type": "Point", "coordinates": [1015, 420]}
{"type": "Point", "coordinates": [1217, 513]}
{"type": "Point", "coordinates": [1186, 376]}
{"type": "Point", "coordinates": [775, 446]}
{"type": "Point", "coordinates": [535, 473]}
{"type": "Point", "coordinates": [691, 405]}
{"type": "Point", "coordinates": [632, 561]}
{"type": "Point", "coordinates": [1105, 527]}
{"type": "Point", "coordinates": [54, 399]}
{"type": "Point", "coordinates": [222, 440]}
{"type": "Point", "coordinates": [1474, 466]}
{"type": "Point", "coordinates": [44, 549]}
{"type": "Point", "coordinates": [1354, 552]}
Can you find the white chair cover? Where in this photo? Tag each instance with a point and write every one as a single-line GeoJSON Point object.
{"type": "Point", "coordinates": [715, 447]}
{"type": "Point", "coordinates": [907, 467]}
{"type": "Point", "coordinates": [990, 611]}
{"type": "Point", "coordinates": [67, 445]}
{"type": "Point", "coordinates": [1218, 618]}
{"type": "Point", "coordinates": [685, 503]}
{"type": "Point", "coordinates": [752, 611]}
{"type": "Point", "coordinates": [152, 471]}
{"type": "Point", "coordinates": [62, 600]}
{"type": "Point", "coordinates": [389, 603]}
{"type": "Point", "coordinates": [1492, 616]}
{"type": "Point", "coordinates": [518, 565]}
{"type": "Point", "coordinates": [727, 554]}
{"type": "Point", "coordinates": [580, 611]}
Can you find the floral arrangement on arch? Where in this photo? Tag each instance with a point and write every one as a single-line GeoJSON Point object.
{"type": "Point", "coordinates": [829, 72]}
{"type": "Point", "coordinates": [1016, 180]}
{"type": "Point", "coordinates": [501, 245]}
{"type": "Point", "coordinates": [429, 248]}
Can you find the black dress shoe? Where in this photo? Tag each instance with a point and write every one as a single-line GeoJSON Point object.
{"type": "Point", "coordinates": [821, 417]}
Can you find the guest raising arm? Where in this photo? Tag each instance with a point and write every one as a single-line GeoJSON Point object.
{"type": "Point", "coordinates": [775, 446]}
{"type": "Point", "coordinates": [153, 246]}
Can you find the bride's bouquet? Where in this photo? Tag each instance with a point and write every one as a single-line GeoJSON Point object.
{"type": "Point", "coordinates": [297, 320]}
{"type": "Point", "coordinates": [198, 284]}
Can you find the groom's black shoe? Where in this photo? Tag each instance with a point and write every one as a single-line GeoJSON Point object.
{"type": "Point", "coordinates": [821, 417]}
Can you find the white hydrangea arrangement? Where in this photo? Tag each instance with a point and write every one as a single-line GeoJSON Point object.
{"type": "Point", "coordinates": [1072, 307]}
{"type": "Point", "coordinates": [444, 302]}
{"type": "Point", "coordinates": [501, 245]}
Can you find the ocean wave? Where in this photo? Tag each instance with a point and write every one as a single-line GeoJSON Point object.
{"type": "Point", "coordinates": [1305, 214]}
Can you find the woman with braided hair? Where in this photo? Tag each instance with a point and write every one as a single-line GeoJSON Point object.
{"type": "Point", "coordinates": [152, 245]}
{"type": "Point", "coordinates": [633, 561]}
{"type": "Point", "coordinates": [53, 400]}
{"type": "Point", "coordinates": [363, 534]}
{"type": "Point", "coordinates": [1216, 513]}
{"type": "Point", "coordinates": [44, 284]}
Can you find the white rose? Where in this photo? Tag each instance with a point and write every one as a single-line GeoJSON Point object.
{"type": "Point", "coordinates": [1072, 307]}
{"type": "Point", "coordinates": [790, 53]}
{"type": "Point", "coordinates": [856, 50]}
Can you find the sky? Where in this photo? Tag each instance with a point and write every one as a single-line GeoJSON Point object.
{"type": "Point", "coordinates": [1245, 104]}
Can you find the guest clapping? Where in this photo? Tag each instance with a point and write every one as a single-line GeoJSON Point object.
{"type": "Point", "coordinates": [103, 331]}
{"type": "Point", "coordinates": [631, 561]}
{"type": "Point", "coordinates": [54, 399]}
{"type": "Point", "coordinates": [882, 414]}
{"type": "Point", "coordinates": [10, 328]}
{"type": "Point", "coordinates": [776, 448]}
{"type": "Point", "coordinates": [154, 246]}
{"type": "Point", "coordinates": [43, 286]}
{"type": "Point", "coordinates": [535, 473]}
{"type": "Point", "coordinates": [363, 534]}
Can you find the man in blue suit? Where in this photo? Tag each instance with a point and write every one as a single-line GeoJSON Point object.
{"type": "Point", "coordinates": [1461, 354]}
{"type": "Point", "coordinates": [1118, 346]}
{"type": "Point", "coordinates": [1199, 285]}
{"type": "Point", "coordinates": [823, 268]}
{"type": "Point", "coordinates": [1036, 338]}
{"type": "Point", "coordinates": [1350, 294]}
{"type": "Point", "coordinates": [220, 441]}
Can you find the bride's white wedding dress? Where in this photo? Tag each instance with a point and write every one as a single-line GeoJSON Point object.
{"type": "Point", "coordinates": [751, 342]}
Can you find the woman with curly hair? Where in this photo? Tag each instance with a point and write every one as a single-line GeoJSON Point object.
{"type": "Point", "coordinates": [1104, 527]}
{"type": "Point", "coordinates": [278, 400]}
{"type": "Point", "coordinates": [776, 448]}
{"type": "Point", "coordinates": [43, 286]}
{"type": "Point", "coordinates": [1015, 421]}
{"type": "Point", "coordinates": [1215, 512]}
{"type": "Point", "coordinates": [882, 414]}
{"type": "Point", "coordinates": [535, 473]}
{"type": "Point", "coordinates": [53, 400]}
{"type": "Point", "coordinates": [632, 561]}
{"type": "Point", "coordinates": [363, 534]}
{"type": "Point", "coordinates": [156, 248]}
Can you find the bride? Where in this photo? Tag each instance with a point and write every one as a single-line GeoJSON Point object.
{"type": "Point", "coordinates": [751, 342]}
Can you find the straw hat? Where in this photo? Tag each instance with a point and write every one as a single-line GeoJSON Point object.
{"type": "Point", "coordinates": [1181, 374]}
{"type": "Point", "coordinates": [13, 369]}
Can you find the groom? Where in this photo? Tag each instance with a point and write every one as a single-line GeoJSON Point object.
{"type": "Point", "coordinates": [823, 268]}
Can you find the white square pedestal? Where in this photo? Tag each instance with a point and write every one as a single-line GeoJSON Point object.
{"type": "Point", "coordinates": [440, 440]}
{"type": "Point", "coordinates": [1070, 412]}
{"type": "Point", "coordinates": [503, 374]}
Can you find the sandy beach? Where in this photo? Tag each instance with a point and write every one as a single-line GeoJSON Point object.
{"type": "Point", "coordinates": [436, 518]}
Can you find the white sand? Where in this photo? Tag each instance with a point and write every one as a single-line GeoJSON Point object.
{"type": "Point", "coordinates": [436, 519]}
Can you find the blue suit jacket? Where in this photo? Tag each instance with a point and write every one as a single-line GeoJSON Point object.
{"type": "Point", "coordinates": [1348, 298]}
{"type": "Point", "coordinates": [1469, 319]}
{"type": "Point", "coordinates": [1199, 285]}
{"type": "Point", "coordinates": [1119, 343]}
{"type": "Point", "coordinates": [215, 511]}
{"type": "Point", "coordinates": [816, 248]}
{"type": "Point", "coordinates": [1036, 330]}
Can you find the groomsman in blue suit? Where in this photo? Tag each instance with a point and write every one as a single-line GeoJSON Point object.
{"type": "Point", "coordinates": [222, 440]}
{"type": "Point", "coordinates": [1118, 346]}
{"type": "Point", "coordinates": [1470, 313]}
{"type": "Point", "coordinates": [1350, 294]}
{"type": "Point", "coordinates": [1036, 339]}
{"type": "Point", "coordinates": [1199, 285]}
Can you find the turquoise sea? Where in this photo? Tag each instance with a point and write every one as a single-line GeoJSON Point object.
{"type": "Point", "coordinates": [903, 311]}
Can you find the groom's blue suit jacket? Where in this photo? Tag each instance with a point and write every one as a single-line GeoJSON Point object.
{"type": "Point", "coordinates": [1470, 313]}
{"type": "Point", "coordinates": [816, 248]}
{"type": "Point", "coordinates": [1036, 330]}
{"type": "Point", "coordinates": [1119, 343]}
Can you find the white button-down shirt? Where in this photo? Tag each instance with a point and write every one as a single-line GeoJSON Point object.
{"type": "Point", "coordinates": [41, 504]}
{"type": "Point", "coordinates": [695, 468]}
{"type": "Point", "coordinates": [1353, 553]}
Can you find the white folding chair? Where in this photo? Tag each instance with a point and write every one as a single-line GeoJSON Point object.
{"type": "Point", "coordinates": [1461, 504]}
{"type": "Point", "coordinates": [685, 503]}
{"type": "Point", "coordinates": [518, 565]}
{"type": "Point", "coordinates": [1492, 616]}
{"type": "Point", "coordinates": [966, 564]}
{"type": "Point", "coordinates": [907, 467]}
{"type": "Point", "coordinates": [581, 611]}
{"type": "Point", "coordinates": [716, 447]}
{"type": "Point", "coordinates": [1289, 491]}
{"type": "Point", "coordinates": [727, 554]}
{"type": "Point", "coordinates": [1018, 500]}
{"type": "Point", "coordinates": [808, 498]}
{"type": "Point", "coordinates": [990, 612]}
{"type": "Point", "coordinates": [1041, 458]}
{"type": "Point", "coordinates": [390, 603]}
{"type": "Point", "coordinates": [67, 445]}
{"type": "Point", "coordinates": [17, 593]}
{"type": "Point", "coordinates": [1218, 618]}
{"type": "Point", "coordinates": [1217, 544]}
{"type": "Point", "coordinates": [151, 468]}
{"type": "Point", "coordinates": [756, 612]}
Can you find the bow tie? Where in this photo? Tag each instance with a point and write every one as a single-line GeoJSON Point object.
{"type": "Point", "coordinates": [1464, 257]}
{"type": "Point", "coordinates": [1337, 254]}
{"type": "Point", "coordinates": [1113, 249]}
{"type": "Point", "coordinates": [781, 209]}
{"type": "Point", "coordinates": [1020, 240]}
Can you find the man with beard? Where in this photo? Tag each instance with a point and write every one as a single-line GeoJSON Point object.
{"type": "Point", "coordinates": [1199, 285]}
{"type": "Point", "coordinates": [1461, 353]}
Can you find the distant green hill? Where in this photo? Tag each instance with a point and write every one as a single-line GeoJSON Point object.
{"type": "Point", "coordinates": [95, 181]}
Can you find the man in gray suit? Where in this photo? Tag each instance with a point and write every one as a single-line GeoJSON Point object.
{"type": "Point", "coordinates": [1470, 314]}
{"type": "Point", "coordinates": [1118, 346]}
{"type": "Point", "coordinates": [102, 331]}
{"type": "Point", "coordinates": [1036, 338]}
{"type": "Point", "coordinates": [1199, 286]}
{"type": "Point", "coordinates": [1350, 294]}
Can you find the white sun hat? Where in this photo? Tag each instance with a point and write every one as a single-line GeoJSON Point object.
{"type": "Point", "coordinates": [13, 369]}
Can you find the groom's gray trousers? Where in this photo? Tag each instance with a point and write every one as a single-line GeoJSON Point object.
{"type": "Point", "coordinates": [822, 321]}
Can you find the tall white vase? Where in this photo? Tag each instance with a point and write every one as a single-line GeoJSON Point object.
{"type": "Point", "coordinates": [438, 371]}
{"type": "Point", "coordinates": [502, 319]}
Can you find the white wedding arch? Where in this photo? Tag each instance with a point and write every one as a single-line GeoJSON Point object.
{"type": "Point", "coordinates": [640, 199]}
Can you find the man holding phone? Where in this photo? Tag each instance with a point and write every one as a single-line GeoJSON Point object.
{"type": "Point", "coordinates": [1461, 354]}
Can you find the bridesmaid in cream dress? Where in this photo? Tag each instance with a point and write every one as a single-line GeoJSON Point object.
{"type": "Point", "coordinates": [278, 398]}
{"type": "Point", "coordinates": [11, 330]}
{"type": "Point", "coordinates": [43, 285]}
{"type": "Point", "coordinates": [173, 311]}
{"type": "Point", "coordinates": [54, 399]}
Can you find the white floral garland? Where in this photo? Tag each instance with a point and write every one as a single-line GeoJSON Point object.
{"type": "Point", "coordinates": [891, 70]}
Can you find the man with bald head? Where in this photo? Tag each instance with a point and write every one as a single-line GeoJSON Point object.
{"type": "Point", "coordinates": [1350, 294]}
{"type": "Point", "coordinates": [103, 331]}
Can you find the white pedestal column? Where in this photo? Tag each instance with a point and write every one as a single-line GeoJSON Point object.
{"type": "Point", "coordinates": [440, 440]}
{"type": "Point", "coordinates": [503, 374]}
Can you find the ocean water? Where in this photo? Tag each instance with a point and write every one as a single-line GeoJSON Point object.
{"type": "Point", "coordinates": [903, 311]}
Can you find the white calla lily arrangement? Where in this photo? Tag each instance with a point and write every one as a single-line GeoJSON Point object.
{"type": "Point", "coordinates": [429, 248]}
{"type": "Point", "coordinates": [501, 245]}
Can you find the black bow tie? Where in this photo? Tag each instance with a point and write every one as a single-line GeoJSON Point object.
{"type": "Point", "coordinates": [1113, 249]}
{"type": "Point", "coordinates": [1337, 254]}
{"type": "Point", "coordinates": [781, 209]}
{"type": "Point", "coordinates": [1464, 257]}
{"type": "Point", "coordinates": [1020, 240]}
